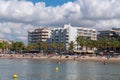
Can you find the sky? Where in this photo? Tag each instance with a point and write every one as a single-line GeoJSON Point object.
{"type": "Point", "coordinates": [19, 16]}
{"type": "Point", "coordinates": [52, 2]}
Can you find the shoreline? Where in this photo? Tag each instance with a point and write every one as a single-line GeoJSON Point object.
{"type": "Point", "coordinates": [58, 58]}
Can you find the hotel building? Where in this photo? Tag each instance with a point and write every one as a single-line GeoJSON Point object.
{"type": "Point", "coordinates": [115, 32]}
{"type": "Point", "coordinates": [39, 35]}
{"type": "Point", "coordinates": [65, 34]}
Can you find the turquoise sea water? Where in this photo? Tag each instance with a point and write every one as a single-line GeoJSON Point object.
{"type": "Point", "coordinates": [28, 69]}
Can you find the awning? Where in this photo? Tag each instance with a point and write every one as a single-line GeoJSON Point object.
{"type": "Point", "coordinates": [80, 51]}
{"type": "Point", "coordinates": [89, 51]}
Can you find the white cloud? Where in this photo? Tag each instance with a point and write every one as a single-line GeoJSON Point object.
{"type": "Point", "coordinates": [4, 29]}
{"type": "Point", "coordinates": [100, 9]}
{"type": "Point", "coordinates": [22, 38]}
{"type": "Point", "coordinates": [18, 32]}
{"type": "Point", "coordinates": [14, 31]}
{"type": "Point", "coordinates": [2, 35]}
{"type": "Point", "coordinates": [19, 16]}
{"type": "Point", "coordinates": [27, 12]}
{"type": "Point", "coordinates": [107, 24]}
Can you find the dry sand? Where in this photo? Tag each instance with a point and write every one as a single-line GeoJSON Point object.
{"type": "Point", "coordinates": [74, 58]}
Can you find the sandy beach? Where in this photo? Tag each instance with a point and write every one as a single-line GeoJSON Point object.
{"type": "Point", "coordinates": [73, 58]}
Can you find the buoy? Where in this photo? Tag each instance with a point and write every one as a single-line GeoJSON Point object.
{"type": "Point", "coordinates": [15, 76]}
{"type": "Point", "coordinates": [15, 79]}
{"type": "Point", "coordinates": [57, 69]}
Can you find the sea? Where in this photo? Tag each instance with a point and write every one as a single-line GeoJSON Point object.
{"type": "Point", "coordinates": [35, 69]}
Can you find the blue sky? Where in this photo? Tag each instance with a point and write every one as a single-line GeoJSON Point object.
{"type": "Point", "coordinates": [52, 2]}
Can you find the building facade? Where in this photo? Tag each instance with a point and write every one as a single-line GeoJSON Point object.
{"type": "Point", "coordinates": [39, 35]}
{"type": "Point", "coordinates": [64, 35]}
{"type": "Point", "coordinates": [67, 33]}
{"type": "Point", "coordinates": [114, 32]}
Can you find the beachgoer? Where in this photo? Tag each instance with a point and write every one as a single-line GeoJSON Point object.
{"type": "Point", "coordinates": [74, 59]}
{"type": "Point", "coordinates": [58, 62]}
{"type": "Point", "coordinates": [105, 62]}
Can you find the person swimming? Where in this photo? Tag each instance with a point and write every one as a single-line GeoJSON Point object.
{"type": "Point", "coordinates": [58, 62]}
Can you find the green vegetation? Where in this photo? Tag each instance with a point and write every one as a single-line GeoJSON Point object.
{"type": "Point", "coordinates": [101, 44]}
{"type": "Point", "coordinates": [60, 47]}
{"type": "Point", "coordinates": [1, 45]}
{"type": "Point", "coordinates": [71, 46]}
{"type": "Point", "coordinates": [17, 46]}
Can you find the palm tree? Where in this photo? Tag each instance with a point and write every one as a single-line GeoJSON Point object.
{"type": "Point", "coordinates": [44, 46]}
{"type": "Point", "coordinates": [1, 47]}
{"type": "Point", "coordinates": [114, 43]}
{"type": "Point", "coordinates": [90, 44]}
{"type": "Point", "coordinates": [81, 41]}
{"type": "Point", "coordinates": [77, 40]}
{"type": "Point", "coordinates": [60, 46]}
{"type": "Point", "coordinates": [6, 46]}
{"type": "Point", "coordinates": [52, 46]}
{"type": "Point", "coordinates": [31, 47]}
{"type": "Point", "coordinates": [39, 46]}
{"type": "Point", "coordinates": [103, 43]}
{"type": "Point", "coordinates": [71, 46]}
{"type": "Point", "coordinates": [17, 46]}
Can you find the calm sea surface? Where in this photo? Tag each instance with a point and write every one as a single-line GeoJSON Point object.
{"type": "Point", "coordinates": [28, 69]}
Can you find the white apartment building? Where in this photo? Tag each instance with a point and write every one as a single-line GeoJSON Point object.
{"type": "Point", "coordinates": [39, 35]}
{"type": "Point", "coordinates": [67, 33]}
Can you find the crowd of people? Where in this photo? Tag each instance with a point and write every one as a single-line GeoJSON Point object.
{"type": "Point", "coordinates": [100, 56]}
